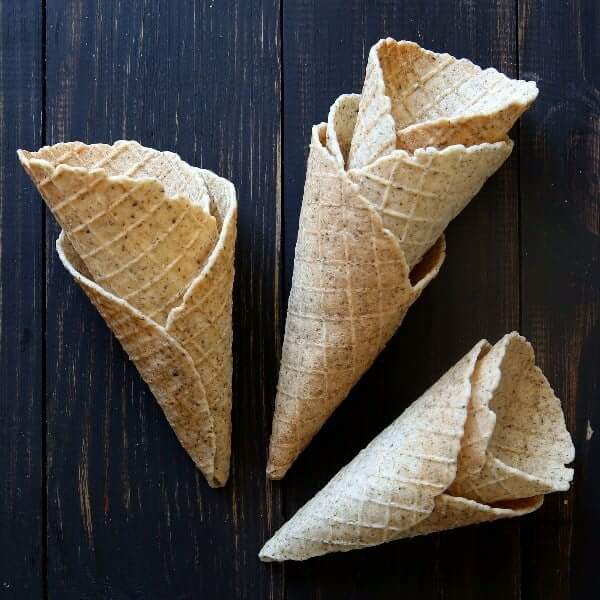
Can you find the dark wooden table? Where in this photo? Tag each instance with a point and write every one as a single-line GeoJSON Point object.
{"type": "Point", "coordinates": [97, 499]}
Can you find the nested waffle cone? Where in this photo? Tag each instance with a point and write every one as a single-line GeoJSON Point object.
{"type": "Point", "coordinates": [350, 291]}
{"type": "Point", "coordinates": [151, 241]}
{"type": "Point", "coordinates": [370, 240]}
{"type": "Point", "coordinates": [428, 470]}
{"type": "Point", "coordinates": [413, 98]}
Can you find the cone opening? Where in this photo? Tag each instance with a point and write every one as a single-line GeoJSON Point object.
{"type": "Point", "coordinates": [530, 435]}
{"type": "Point", "coordinates": [140, 219]}
{"type": "Point", "coordinates": [521, 504]}
{"type": "Point", "coordinates": [129, 159]}
{"type": "Point", "coordinates": [436, 100]}
{"type": "Point", "coordinates": [428, 264]}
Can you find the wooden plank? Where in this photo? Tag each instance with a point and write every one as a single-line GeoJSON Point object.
{"type": "Point", "coordinates": [560, 228]}
{"type": "Point", "coordinates": [325, 46]}
{"type": "Point", "coordinates": [21, 304]}
{"type": "Point", "coordinates": [128, 514]}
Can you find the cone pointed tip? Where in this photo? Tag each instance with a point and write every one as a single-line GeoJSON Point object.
{"type": "Point", "coordinates": [23, 156]}
{"type": "Point", "coordinates": [216, 483]}
{"type": "Point", "coordinates": [272, 552]}
{"type": "Point", "coordinates": [275, 473]}
{"type": "Point", "coordinates": [264, 557]}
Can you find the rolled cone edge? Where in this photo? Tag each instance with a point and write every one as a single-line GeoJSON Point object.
{"type": "Point", "coordinates": [215, 280]}
{"type": "Point", "coordinates": [546, 441]}
{"type": "Point", "coordinates": [162, 362]}
{"type": "Point", "coordinates": [470, 129]}
{"type": "Point", "coordinates": [452, 512]}
{"type": "Point", "coordinates": [379, 134]}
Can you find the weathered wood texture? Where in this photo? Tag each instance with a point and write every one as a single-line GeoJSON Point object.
{"type": "Point", "coordinates": [21, 305]}
{"type": "Point", "coordinates": [129, 516]}
{"type": "Point", "coordinates": [560, 276]}
{"type": "Point", "coordinates": [98, 500]}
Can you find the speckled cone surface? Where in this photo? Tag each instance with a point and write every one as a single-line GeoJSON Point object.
{"type": "Point", "coordinates": [385, 176]}
{"type": "Point", "coordinates": [484, 443]}
{"type": "Point", "coordinates": [151, 241]}
{"type": "Point", "coordinates": [413, 98]}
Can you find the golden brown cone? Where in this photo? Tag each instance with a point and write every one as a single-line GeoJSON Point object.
{"type": "Point", "coordinates": [340, 315]}
{"type": "Point", "coordinates": [401, 484]}
{"type": "Point", "coordinates": [151, 240]}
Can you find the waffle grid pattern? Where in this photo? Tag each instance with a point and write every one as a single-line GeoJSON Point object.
{"type": "Point", "coordinates": [416, 98]}
{"type": "Point", "coordinates": [113, 241]}
{"type": "Point", "coordinates": [202, 320]}
{"type": "Point", "coordinates": [418, 195]}
{"type": "Point", "coordinates": [348, 297]}
{"type": "Point", "coordinates": [397, 486]}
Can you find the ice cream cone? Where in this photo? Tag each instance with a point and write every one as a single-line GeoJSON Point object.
{"type": "Point", "coordinates": [150, 240]}
{"type": "Point", "coordinates": [372, 222]}
{"type": "Point", "coordinates": [351, 289]}
{"type": "Point", "coordinates": [420, 476]}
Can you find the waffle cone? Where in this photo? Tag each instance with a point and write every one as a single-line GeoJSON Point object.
{"type": "Point", "coordinates": [413, 98]}
{"type": "Point", "coordinates": [370, 240]}
{"type": "Point", "coordinates": [350, 292]}
{"type": "Point", "coordinates": [151, 240]}
{"type": "Point", "coordinates": [403, 484]}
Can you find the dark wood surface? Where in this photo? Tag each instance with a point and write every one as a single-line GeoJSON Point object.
{"type": "Point", "coordinates": [97, 499]}
{"type": "Point", "coordinates": [560, 277]}
{"type": "Point", "coordinates": [22, 316]}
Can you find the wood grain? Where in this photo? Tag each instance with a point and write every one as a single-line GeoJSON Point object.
{"type": "Point", "coordinates": [325, 47]}
{"type": "Point", "coordinates": [129, 516]}
{"type": "Point", "coordinates": [560, 278]}
{"type": "Point", "coordinates": [21, 305]}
